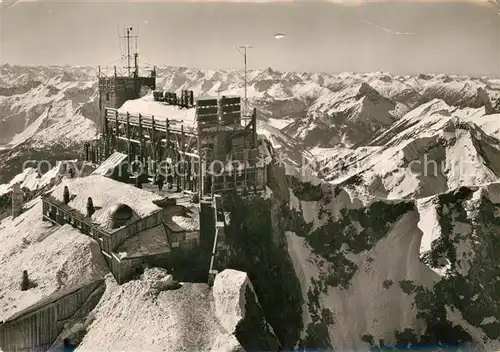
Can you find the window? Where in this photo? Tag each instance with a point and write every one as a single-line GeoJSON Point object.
{"type": "Point", "coordinates": [107, 96]}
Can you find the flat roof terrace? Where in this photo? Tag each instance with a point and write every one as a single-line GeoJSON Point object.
{"type": "Point", "coordinates": [106, 193]}
{"type": "Point", "coordinates": [148, 106]}
{"type": "Point", "coordinates": [205, 114]}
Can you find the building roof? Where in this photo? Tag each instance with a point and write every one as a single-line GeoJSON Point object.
{"type": "Point", "coordinates": [210, 97]}
{"type": "Point", "coordinates": [106, 193]}
{"type": "Point", "coordinates": [160, 110]}
{"type": "Point", "coordinates": [179, 218]}
{"type": "Point", "coordinates": [108, 166]}
{"type": "Point", "coordinates": [149, 242]}
{"type": "Point", "coordinates": [187, 223]}
{"type": "Point", "coordinates": [45, 251]}
{"type": "Point", "coordinates": [53, 298]}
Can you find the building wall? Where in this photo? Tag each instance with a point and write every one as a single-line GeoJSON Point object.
{"type": "Point", "coordinates": [114, 91]}
{"type": "Point", "coordinates": [183, 239]}
{"type": "Point", "coordinates": [127, 268]}
{"type": "Point", "coordinates": [38, 329]}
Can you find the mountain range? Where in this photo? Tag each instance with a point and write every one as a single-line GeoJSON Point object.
{"type": "Point", "coordinates": [380, 223]}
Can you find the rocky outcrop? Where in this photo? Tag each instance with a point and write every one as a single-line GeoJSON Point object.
{"type": "Point", "coordinates": [239, 312]}
{"type": "Point", "coordinates": [465, 254]}
{"type": "Point", "coordinates": [255, 245]}
{"type": "Point", "coordinates": [147, 314]}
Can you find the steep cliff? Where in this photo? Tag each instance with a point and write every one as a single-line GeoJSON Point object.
{"type": "Point", "coordinates": [332, 271]}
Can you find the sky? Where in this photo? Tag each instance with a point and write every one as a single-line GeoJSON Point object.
{"type": "Point", "coordinates": [397, 37]}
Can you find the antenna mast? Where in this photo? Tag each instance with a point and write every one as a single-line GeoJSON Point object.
{"type": "Point", "coordinates": [136, 56]}
{"type": "Point", "coordinates": [129, 36]}
{"type": "Point", "coordinates": [244, 54]}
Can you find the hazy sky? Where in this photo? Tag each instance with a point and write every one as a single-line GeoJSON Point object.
{"type": "Point", "coordinates": [458, 38]}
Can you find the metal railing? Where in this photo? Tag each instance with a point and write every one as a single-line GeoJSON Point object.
{"type": "Point", "coordinates": [219, 226]}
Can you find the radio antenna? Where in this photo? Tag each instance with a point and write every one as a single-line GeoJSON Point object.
{"type": "Point", "coordinates": [128, 36]}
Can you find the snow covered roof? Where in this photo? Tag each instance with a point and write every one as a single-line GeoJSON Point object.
{"type": "Point", "coordinates": [148, 242]}
{"type": "Point", "coordinates": [65, 291]}
{"type": "Point", "coordinates": [180, 219]}
{"type": "Point", "coordinates": [187, 223]}
{"type": "Point", "coordinates": [163, 111]}
{"type": "Point", "coordinates": [105, 169]}
{"type": "Point", "coordinates": [210, 97]}
{"type": "Point", "coordinates": [52, 256]}
{"type": "Point", "coordinates": [106, 194]}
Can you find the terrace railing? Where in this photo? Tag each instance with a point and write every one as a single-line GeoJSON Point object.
{"type": "Point", "coordinates": [59, 213]}
{"type": "Point", "coordinates": [156, 122]}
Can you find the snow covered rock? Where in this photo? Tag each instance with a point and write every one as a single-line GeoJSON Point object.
{"type": "Point", "coordinates": [159, 280]}
{"type": "Point", "coordinates": [340, 252]}
{"type": "Point", "coordinates": [239, 312]}
{"type": "Point", "coordinates": [129, 318]}
{"type": "Point", "coordinates": [359, 274]}
{"type": "Point", "coordinates": [463, 250]}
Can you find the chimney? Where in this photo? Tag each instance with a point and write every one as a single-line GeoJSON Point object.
{"type": "Point", "coordinates": [90, 207]}
{"type": "Point", "coordinates": [66, 195]}
{"type": "Point", "coordinates": [17, 200]}
{"type": "Point", "coordinates": [25, 283]}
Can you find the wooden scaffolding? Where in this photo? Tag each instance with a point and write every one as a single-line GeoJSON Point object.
{"type": "Point", "coordinates": [213, 154]}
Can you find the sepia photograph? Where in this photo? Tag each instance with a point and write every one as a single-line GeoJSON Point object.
{"type": "Point", "coordinates": [256, 175]}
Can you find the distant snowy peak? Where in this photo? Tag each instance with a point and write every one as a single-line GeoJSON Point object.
{"type": "Point", "coordinates": [456, 93]}
{"type": "Point", "coordinates": [360, 102]}
{"type": "Point", "coordinates": [346, 117]}
{"type": "Point", "coordinates": [426, 118]}
{"type": "Point", "coordinates": [430, 150]}
{"type": "Point", "coordinates": [47, 104]}
{"type": "Point", "coordinates": [408, 90]}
